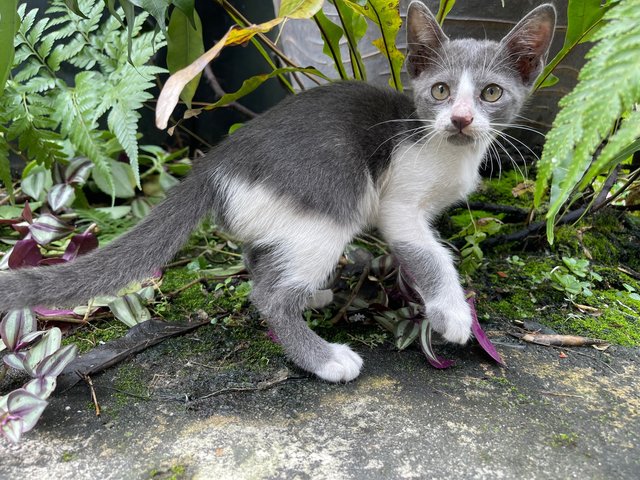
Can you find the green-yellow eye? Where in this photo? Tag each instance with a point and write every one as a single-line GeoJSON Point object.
{"type": "Point", "coordinates": [491, 93]}
{"type": "Point", "coordinates": [440, 91]}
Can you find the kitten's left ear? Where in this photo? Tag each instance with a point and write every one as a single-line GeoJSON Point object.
{"type": "Point", "coordinates": [526, 46]}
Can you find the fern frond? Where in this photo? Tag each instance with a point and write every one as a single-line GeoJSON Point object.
{"type": "Point", "coordinates": [608, 88]}
{"type": "Point", "coordinates": [123, 122]}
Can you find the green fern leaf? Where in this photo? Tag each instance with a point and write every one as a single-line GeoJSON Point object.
{"type": "Point", "coordinates": [123, 122]}
{"type": "Point", "coordinates": [608, 88]}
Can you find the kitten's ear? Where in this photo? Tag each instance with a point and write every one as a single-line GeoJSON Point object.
{"type": "Point", "coordinates": [424, 39]}
{"type": "Point", "coordinates": [527, 45]}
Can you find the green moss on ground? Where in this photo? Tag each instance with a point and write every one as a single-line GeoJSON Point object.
{"type": "Point", "coordinates": [130, 384]}
{"type": "Point", "coordinates": [96, 333]}
{"type": "Point", "coordinates": [500, 190]}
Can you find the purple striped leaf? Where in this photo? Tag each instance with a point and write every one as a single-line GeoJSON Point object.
{"type": "Point", "coordinates": [17, 361]}
{"type": "Point", "coordinates": [49, 344]}
{"type": "Point", "coordinates": [60, 196]}
{"type": "Point", "coordinates": [25, 253]}
{"type": "Point", "coordinates": [78, 171]}
{"type": "Point", "coordinates": [15, 325]}
{"type": "Point", "coordinates": [427, 349]}
{"type": "Point", "coordinates": [48, 312]}
{"type": "Point", "coordinates": [26, 213]}
{"type": "Point", "coordinates": [26, 406]}
{"type": "Point", "coordinates": [482, 338]}
{"type": "Point", "coordinates": [41, 387]}
{"type": "Point", "coordinates": [22, 228]}
{"type": "Point", "coordinates": [53, 365]}
{"type": "Point", "coordinates": [80, 244]}
{"type": "Point", "coordinates": [47, 228]}
{"type": "Point", "coordinates": [11, 427]}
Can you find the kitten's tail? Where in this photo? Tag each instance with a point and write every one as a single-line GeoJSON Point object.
{"type": "Point", "coordinates": [133, 256]}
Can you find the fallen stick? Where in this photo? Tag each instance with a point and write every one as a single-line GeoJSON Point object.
{"type": "Point", "coordinates": [558, 340]}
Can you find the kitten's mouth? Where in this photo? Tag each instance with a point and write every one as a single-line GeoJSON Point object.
{"type": "Point", "coordinates": [460, 138]}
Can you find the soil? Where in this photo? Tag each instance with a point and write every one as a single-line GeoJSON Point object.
{"type": "Point", "coordinates": [551, 413]}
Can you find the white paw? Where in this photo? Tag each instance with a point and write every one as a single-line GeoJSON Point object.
{"type": "Point", "coordinates": [453, 323]}
{"type": "Point", "coordinates": [344, 366]}
{"type": "Point", "coordinates": [321, 299]}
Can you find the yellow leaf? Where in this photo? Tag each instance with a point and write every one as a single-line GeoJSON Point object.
{"type": "Point", "coordinates": [170, 93]}
{"type": "Point", "coordinates": [299, 8]}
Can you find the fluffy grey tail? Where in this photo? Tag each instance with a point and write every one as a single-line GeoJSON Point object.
{"type": "Point", "coordinates": [133, 256]}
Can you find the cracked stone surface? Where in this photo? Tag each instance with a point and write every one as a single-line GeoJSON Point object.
{"type": "Point", "coordinates": [541, 417]}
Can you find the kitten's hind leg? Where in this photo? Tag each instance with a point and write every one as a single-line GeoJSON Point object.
{"type": "Point", "coordinates": [283, 284]}
{"type": "Point", "coordinates": [321, 298]}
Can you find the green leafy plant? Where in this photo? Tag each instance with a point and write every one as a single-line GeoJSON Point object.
{"type": "Point", "coordinates": [46, 118]}
{"type": "Point", "coordinates": [40, 355]}
{"type": "Point", "coordinates": [598, 127]}
{"type": "Point", "coordinates": [574, 277]}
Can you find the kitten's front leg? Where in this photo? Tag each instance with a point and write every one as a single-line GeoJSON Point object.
{"type": "Point", "coordinates": [428, 265]}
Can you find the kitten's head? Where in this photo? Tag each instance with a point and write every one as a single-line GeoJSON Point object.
{"type": "Point", "coordinates": [468, 86]}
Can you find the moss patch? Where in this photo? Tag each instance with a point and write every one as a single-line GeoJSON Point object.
{"type": "Point", "coordinates": [130, 384]}
{"type": "Point", "coordinates": [93, 334]}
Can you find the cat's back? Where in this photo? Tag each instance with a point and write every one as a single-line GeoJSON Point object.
{"type": "Point", "coordinates": [332, 138]}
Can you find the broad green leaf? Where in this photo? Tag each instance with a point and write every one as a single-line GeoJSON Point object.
{"type": "Point", "coordinates": [8, 22]}
{"type": "Point", "coordinates": [188, 8]}
{"type": "Point", "coordinates": [74, 7]}
{"type": "Point", "coordinates": [115, 213]}
{"type": "Point", "coordinates": [607, 90]}
{"type": "Point", "coordinates": [583, 18]}
{"type": "Point", "coordinates": [123, 180]}
{"type": "Point", "coordinates": [443, 10]}
{"type": "Point", "coordinates": [385, 14]}
{"type": "Point", "coordinates": [582, 15]}
{"type": "Point", "coordinates": [157, 9]}
{"type": "Point", "coordinates": [331, 35]}
{"type": "Point", "coordinates": [184, 45]}
{"type": "Point", "coordinates": [130, 16]}
{"type": "Point", "coordinates": [299, 8]}
{"type": "Point", "coordinates": [248, 86]}
{"type": "Point", "coordinates": [354, 26]}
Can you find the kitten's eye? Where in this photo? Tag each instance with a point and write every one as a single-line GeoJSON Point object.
{"type": "Point", "coordinates": [491, 93]}
{"type": "Point", "coordinates": [440, 91]}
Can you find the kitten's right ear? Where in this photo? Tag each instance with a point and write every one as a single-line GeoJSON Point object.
{"type": "Point", "coordinates": [424, 39]}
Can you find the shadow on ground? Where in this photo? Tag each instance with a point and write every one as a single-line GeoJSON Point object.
{"type": "Point", "coordinates": [179, 411]}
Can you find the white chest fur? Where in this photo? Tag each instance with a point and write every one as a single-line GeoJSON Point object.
{"type": "Point", "coordinates": [431, 176]}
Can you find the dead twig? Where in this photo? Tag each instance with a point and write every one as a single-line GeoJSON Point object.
{"type": "Point", "coordinates": [212, 80]}
{"type": "Point", "coordinates": [94, 398]}
{"type": "Point", "coordinates": [569, 217]}
{"type": "Point", "coordinates": [267, 384]}
{"type": "Point", "coordinates": [343, 311]}
{"type": "Point", "coordinates": [186, 286]}
{"type": "Point", "coordinates": [558, 340]}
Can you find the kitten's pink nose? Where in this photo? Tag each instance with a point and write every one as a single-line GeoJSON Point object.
{"type": "Point", "coordinates": [461, 121]}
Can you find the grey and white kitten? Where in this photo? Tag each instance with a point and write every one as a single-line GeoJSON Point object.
{"type": "Point", "coordinates": [299, 182]}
